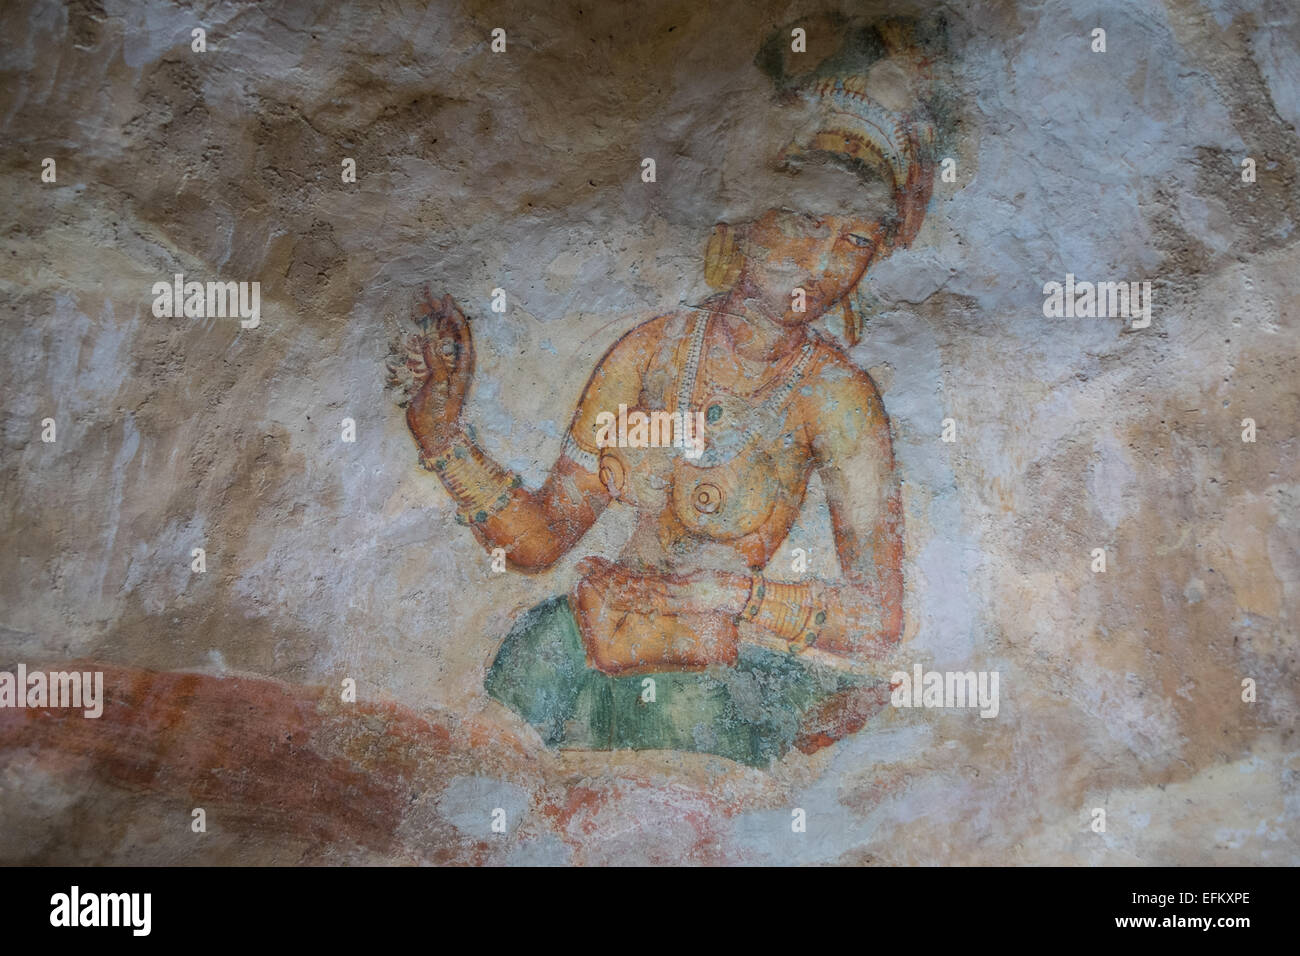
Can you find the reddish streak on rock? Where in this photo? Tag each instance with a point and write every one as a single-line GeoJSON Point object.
{"type": "Point", "coordinates": [280, 758]}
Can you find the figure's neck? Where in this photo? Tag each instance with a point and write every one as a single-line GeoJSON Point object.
{"type": "Point", "coordinates": [751, 328]}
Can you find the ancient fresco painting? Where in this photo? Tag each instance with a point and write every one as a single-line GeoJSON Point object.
{"type": "Point", "coordinates": [709, 422]}
{"type": "Point", "coordinates": [673, 433]}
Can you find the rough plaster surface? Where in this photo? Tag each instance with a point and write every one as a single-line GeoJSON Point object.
{"type": "Point", "coordinates": [328, 560]}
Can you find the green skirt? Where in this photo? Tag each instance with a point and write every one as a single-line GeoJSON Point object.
{"type": "Point", "coordinates": [749, 713]}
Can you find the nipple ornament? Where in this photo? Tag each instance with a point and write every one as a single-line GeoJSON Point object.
{"type": "Point", "coordinates": [707, 498]}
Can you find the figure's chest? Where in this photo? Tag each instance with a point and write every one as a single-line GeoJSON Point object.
{"type": "Point", "coordinates": [733, 489]}
{"type": "Point", "coordinates": [745, 475]}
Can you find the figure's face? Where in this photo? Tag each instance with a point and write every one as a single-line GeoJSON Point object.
{"type": "Point", "coordinates": [825, 254]}
{"type": "Point", "coordinates": [823, 234]}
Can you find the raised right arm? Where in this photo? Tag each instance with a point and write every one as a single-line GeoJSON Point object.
{"type": "Point", "coordinates": [534, 527]}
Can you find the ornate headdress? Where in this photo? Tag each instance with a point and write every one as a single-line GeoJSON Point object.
{"type": "Point", "coordinates": [860, 131]}
{"type": "Point", "coordinates": [878, 64]}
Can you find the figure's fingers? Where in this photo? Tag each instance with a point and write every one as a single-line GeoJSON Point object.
{"type": "Point", "coordinates": [649, 591]}
{"type": "Point", "coordinates": [679, 591]}
{"type": "Point", "coordinates": [455, 325]}
{"type": "Point", "coordinates": [422, 306]}
{"type": "Point", "coordinates": [462, 353]}
{"type": "Point", "coordinates": [430, 347]}
{"type": "Point", "coordinates": [413, 352]}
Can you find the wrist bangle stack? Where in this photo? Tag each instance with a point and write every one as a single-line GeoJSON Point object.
{"type": "Point", "coordinates": [787, 610]}
{"type": "Point", "coordinates": [756, 591]}
{"type": "Point", "coordinates": [480, 486]}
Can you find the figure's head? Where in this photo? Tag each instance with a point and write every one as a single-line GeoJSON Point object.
{"type": "Point", "coordinates": [786, 250]}
{"type": "Point", "coordinates": [859, 180]}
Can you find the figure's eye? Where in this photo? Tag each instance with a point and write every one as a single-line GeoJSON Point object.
{"type": "Point", "coordinates": [859, 240]}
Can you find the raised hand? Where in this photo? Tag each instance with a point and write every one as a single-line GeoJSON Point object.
{"type": "Point", "coordinates": [431, 370]}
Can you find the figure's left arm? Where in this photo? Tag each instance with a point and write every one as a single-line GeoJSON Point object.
{"type": "Point", "coordinates": [855, 459]}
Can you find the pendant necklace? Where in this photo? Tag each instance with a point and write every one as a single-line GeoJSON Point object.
{"type": "Point", "coordinates": [736, 422]}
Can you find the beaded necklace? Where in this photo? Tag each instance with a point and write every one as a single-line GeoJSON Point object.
{"type": "Point", "coordinates": [750, 423]}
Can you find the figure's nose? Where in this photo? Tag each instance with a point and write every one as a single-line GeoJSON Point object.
{"type": "Point", "coordinates": [827, 252]}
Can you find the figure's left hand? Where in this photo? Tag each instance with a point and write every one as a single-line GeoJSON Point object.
{"type": "Point", "coordinates": [640, 622]}
{"type": "Point", "coordinates": [702, 592]}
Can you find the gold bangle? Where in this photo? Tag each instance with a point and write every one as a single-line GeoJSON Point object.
{"type": "Point", "coordinates": [480, 486]}
{"type": "Point", "coordinates": [810, 630]}
{"type": "Point", "coordinates": [757, 588]}
{"type": "Point", "coordinates": [783, 603]}
{"type": "Point", "coordinates": [791, 613]}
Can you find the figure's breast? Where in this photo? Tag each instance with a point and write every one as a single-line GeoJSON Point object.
{"type": "Point", "coordinates": [751, 463]}
{"type": "Point", "coordinates": [748, 472]}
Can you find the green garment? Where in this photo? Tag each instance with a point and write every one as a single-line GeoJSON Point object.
{"type": "Point", "coordinates": [749, 713]}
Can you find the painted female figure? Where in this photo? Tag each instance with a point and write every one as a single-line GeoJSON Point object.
{"type": "Point", "coordinates": [743, 665]}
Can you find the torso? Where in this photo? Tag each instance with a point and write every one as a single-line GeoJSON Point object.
{"type": "Point", "coordinates": [731, 507]}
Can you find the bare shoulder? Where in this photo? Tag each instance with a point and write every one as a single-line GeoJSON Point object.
{"type": "Point", "coordinates": [834, 378]}
{"type": "Point", "coordinates": [618, 375]}
{"type": "Point", "coordinates": [843, 407]}
{"type": "Point", "coordinates": [634, 348]}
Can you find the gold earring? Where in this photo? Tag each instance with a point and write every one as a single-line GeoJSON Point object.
{"type": "Point", "coordinates": [723, 257]}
